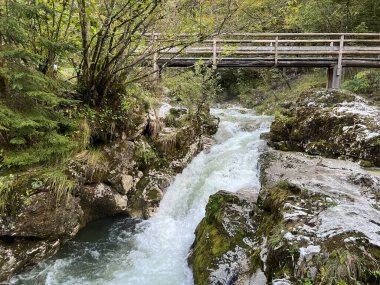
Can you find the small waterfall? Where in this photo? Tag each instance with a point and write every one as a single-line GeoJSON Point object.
{"type": "Point", "coordinates": [155, 252]}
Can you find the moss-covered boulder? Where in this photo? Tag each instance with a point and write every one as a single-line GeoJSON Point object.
{"type": "Point", "coordinates": [332, 124]}
{"type": "Point", "coordinates": [146, 197]}
{"type": "Point", "coordinates": [224, 249]}
{"type": "Point", "coordinates": [318, 222]}
{"type": "Point", "coordinates": [314, 221]}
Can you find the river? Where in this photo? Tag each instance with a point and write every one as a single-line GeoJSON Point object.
{"type": "Point", "coordinates": [123, 251]}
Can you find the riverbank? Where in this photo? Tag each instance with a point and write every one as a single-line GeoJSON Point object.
{"type": "Point", "coordinates": [125, 177]}
{"type": "Point", "coordinates": [314, 220]}
{"type": "Point", "coordinates": [156, 252]}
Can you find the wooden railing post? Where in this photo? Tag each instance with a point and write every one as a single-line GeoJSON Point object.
{"type": "Point", "coordinates": [340, 59]}
{"type": "Point", "coordinates": [156, 68]}
{"type": "Point", "coordinates": [276, 52]}
{"type": "Point", "coordinates": [330, 72]}
{"type": "Point", "coordinates": [214, 53]}
{"type": "Point", "coordinates": [339, 68]}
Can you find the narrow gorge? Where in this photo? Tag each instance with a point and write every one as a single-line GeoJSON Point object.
{"type": "Point", "coordinates": [189, 142]}
{"type": "Point", "coordinates": [245, 213]}
{"type": "Point", "coordinates": [155, 251]}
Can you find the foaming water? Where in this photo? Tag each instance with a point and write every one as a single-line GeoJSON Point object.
{"type": "Point", "coordinates": [155, 252]}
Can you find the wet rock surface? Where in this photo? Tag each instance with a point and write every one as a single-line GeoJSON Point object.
{"type": "Point", "coordinates": [322, 217]}
{"type": "Point", "coordinates": [127, 177]}
{"type": "Point", "coordinates": [21, 252]}
{"type": "Point", "coordinates": [101, 201]}
{"type": "Point", "coordinates": [330, 123]}
{"type": "Point", "coordinates": [37, 231]}
{"type": "Point", "coordinates": [315, 220]}
{"type": "Point", "coordinates": [224, 244]}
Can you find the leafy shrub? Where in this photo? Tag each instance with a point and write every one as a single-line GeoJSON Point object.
{"type": "Point", "coordinates": [365, 82]}
{"type": "Point", "coordinates": [146, 157]}
{"type": "Point", "coordinates": [196, 89]}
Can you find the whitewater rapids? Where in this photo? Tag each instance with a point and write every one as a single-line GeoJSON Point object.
{"type": "Point", "coordinates": [154, 252]}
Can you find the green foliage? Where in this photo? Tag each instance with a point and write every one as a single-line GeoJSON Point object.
{"type": "Point", "coordinates": [92, 164]}
{"type": "Point", "coordinates": [265, 90]}
{"type": "Point", "coordinates": [365, 82]}
{"type": "Point", "coordinates": [36, 183]}
{"type": "Point", "coordinates": [25, 198]}
{"type": "Point", "coordinates": [38, 32]}
{"type": "Point", "coordinates": [6, 190]}
{"type": "Point", "coordinates": [34, 112]}
{"type": "Point", "coordinates": [32, 134]}
{"type": "Point", "coordinates": [307, 282]}
{"type": "Point", "coordinates": [340, 16]}
{"type": "Point", "coordinates": [195, 89]}
{"type": "Point", "coordinates": [146, 157]}
{"type": "Point", "coordinates": [344, 266]}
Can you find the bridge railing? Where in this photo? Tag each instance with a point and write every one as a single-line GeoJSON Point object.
{"type": "Point", "coordinates": [274, 49]}
{"type": "Point", "coordinates": [284, 44]}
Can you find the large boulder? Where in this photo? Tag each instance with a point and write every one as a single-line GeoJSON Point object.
{"type": "Point", "coordinates": [315, 221]}
{"type": "Point", "coordinates": [18, 253]}
{"type": "Point", "coordinates": [319, 220]}
{"type": "Point", "coordinates": [332, 124]}
{"type": "Point", "coordinates": [120, 156]}
{"type": "Point", "coordinates": [99, 201]}
{"type": "Point", "coordinates": [225, 240]}
{"type": "Point", "coordinates": [44, 217]}
{"type": "Point", "coordinates": [37, 230]}
{"type": "Point", "coordinates": [149, 191]}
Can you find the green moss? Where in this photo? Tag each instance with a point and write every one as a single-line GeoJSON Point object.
{"type": "Point", "coordinates": [366, 163]}
{"type": "Point", "coordinates": [154, 195]}
{"type": "Point", "coordinates": [276, 196]}
{"type": "Point", "coordinates": [212, 239]}
{"type": "Point", "coordinates": [214, 205]}
{"type": "Point", "coordinates": [142, 183]}
{"type": "Point", "coordinates": [281, 129]}
{"type": "Point", "coordinates": [338, 263]}
{"type": "Point", "coordinates": [281, 254]}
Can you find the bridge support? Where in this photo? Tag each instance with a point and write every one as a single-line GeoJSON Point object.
{"type": "Point", "coordinates": [334, 77]}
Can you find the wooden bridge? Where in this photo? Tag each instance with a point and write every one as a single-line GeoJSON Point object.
{"type": "Point", "coordinates": [332, 51]}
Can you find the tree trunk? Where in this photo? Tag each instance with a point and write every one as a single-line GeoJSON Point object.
{"type": "Point", "coordinates": [85, 77]}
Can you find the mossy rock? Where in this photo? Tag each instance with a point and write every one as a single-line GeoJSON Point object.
{"type": "Point", "coordinates": [328, 123]}
{"type": "Point", "coordinates": [281, 129]}
{"type": "Point", "coordinates": [221, 237]}
{"type": "Point", "coordinates": [327, 98]}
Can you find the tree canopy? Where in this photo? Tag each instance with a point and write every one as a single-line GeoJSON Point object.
{"type": "Point", "coordinates": [83, 59]}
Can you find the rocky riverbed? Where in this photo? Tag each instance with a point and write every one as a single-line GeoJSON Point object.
{"type": "Point", "coordinates": [312, 219]}
{"type": "Point", "coordinates": [315, 219]}
{"type": "Point", "coordinates": [128, 179]}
